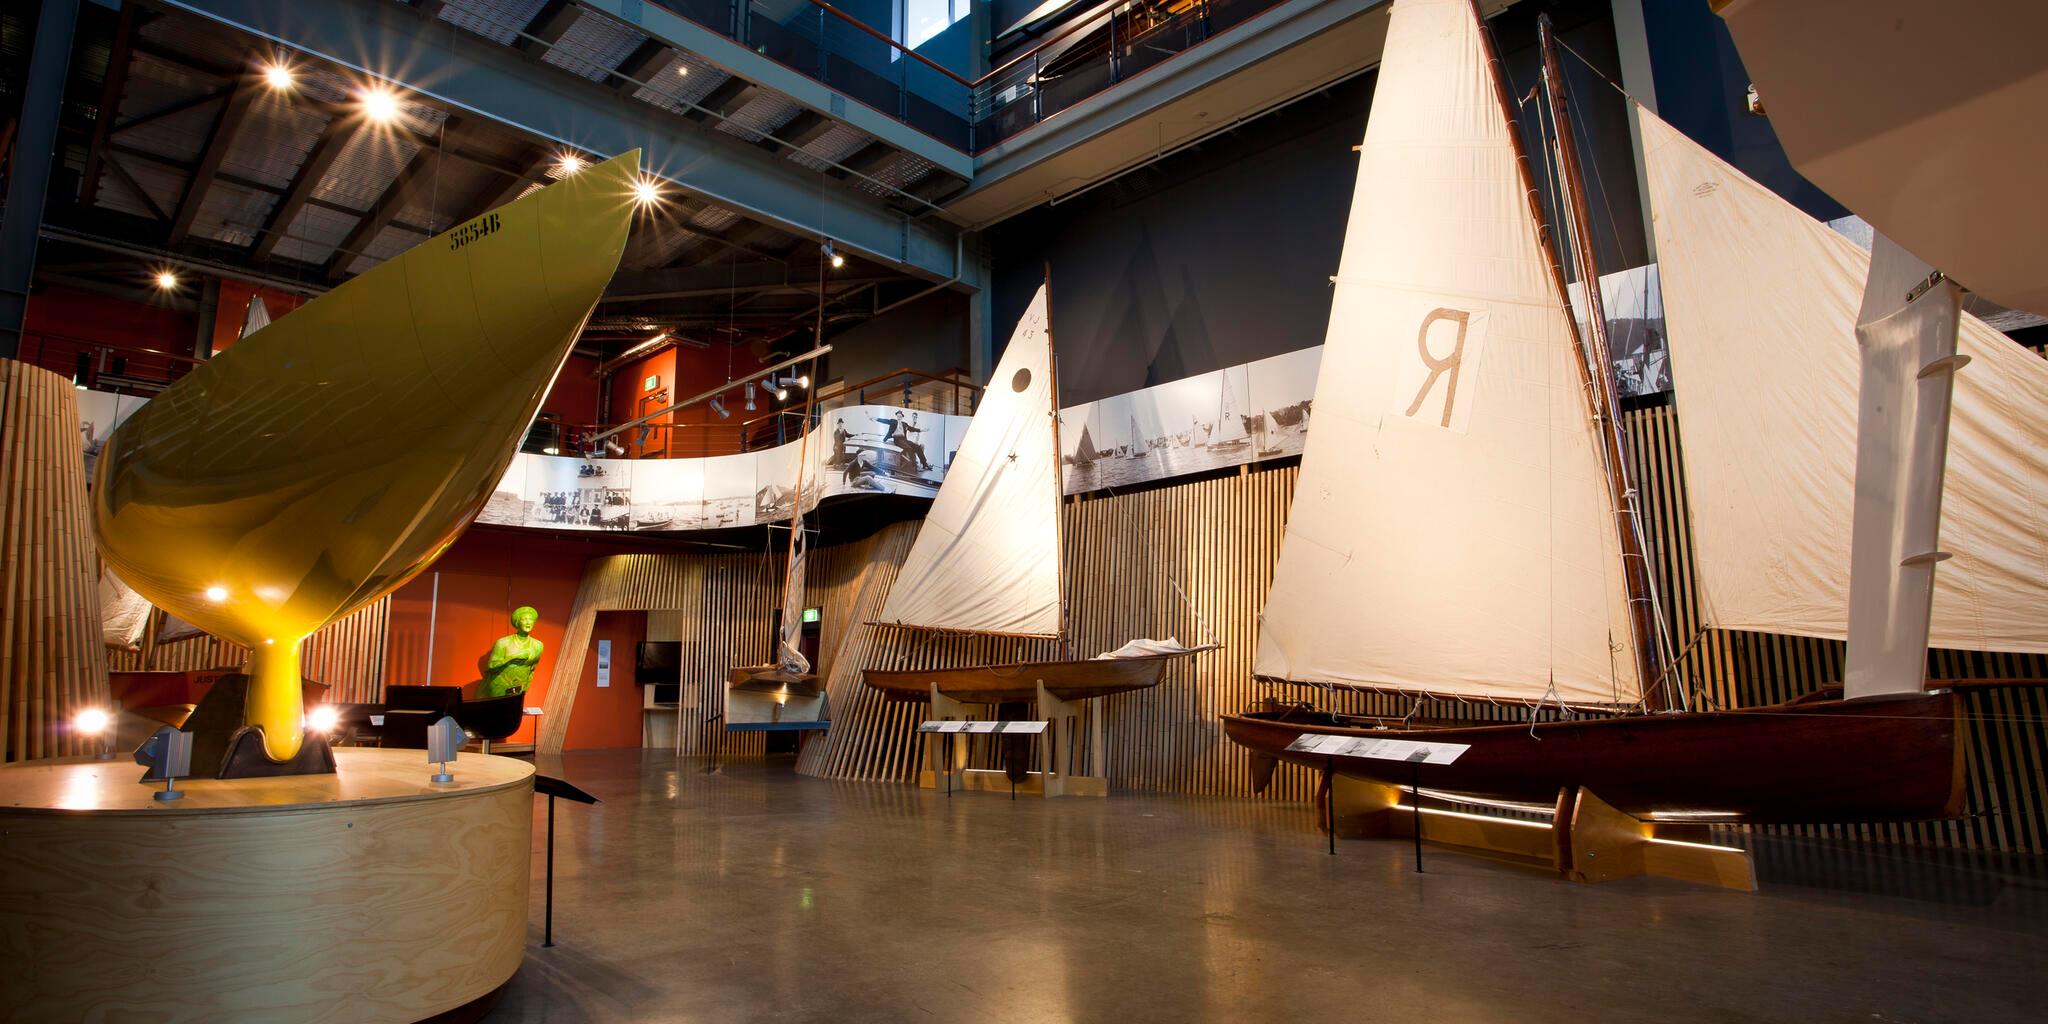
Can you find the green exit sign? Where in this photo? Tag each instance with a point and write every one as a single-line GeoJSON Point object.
{"type": "Point", "coordinates": [811, 614]}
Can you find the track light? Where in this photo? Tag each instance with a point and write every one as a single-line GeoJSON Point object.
{"type": "Point", "coordinates": [750, 396]}
{"type": "Point", "coordinates": [837, 260]}
{"type": "Point", "coordinates": [551, 450]}
{"type": "Point", "coordinates": [613, 447]}
{"type": "Point", "coordinates": [380, 104]}
{"type": "Point", "coordinates": [718, 407]}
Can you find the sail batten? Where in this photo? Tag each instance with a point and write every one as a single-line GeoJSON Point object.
{"type": "Point", "coordinates": [987, 559]}
{"type": "Point", "coordinates": [1451, 532]}
{"type": "Point", "coordinates": [1762, 304]}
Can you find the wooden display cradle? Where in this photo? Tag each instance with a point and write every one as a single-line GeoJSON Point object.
{"type": "Point", "coordinates": [1585, 841]}
{"type": "Point", "coordinates": [1062, 769]}
{"type": "Point", "coordinates": [369, 895]}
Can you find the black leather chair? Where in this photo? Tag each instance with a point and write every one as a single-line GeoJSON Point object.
{"type": "Point", "coordinates": [492, 719]}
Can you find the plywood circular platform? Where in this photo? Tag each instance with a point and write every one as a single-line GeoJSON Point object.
{"type": "Point", "coordinates": [370, 895]}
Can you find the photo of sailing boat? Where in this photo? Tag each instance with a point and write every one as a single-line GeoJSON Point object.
{"type": "Point", "coordinates": [1228, 417]}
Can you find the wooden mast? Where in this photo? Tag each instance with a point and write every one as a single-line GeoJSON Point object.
{"type": "Point", "coordinates": [1646, 657]}
{"type": "Point", "coordinates": [1620, 483]}
{"type": "Point", "coordinates": [1059, 489]}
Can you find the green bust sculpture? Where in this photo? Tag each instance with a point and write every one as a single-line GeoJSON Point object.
{"type": "Point", "coordinates": [510, 666]}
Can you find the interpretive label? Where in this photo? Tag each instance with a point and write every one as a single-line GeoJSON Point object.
{"type": "Point", "coordinates": [1381, 750]}
{"type": "Point", "coordinates": [979, 727]}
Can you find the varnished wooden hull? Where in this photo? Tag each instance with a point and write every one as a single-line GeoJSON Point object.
{"type": "Point", "coordinates": [1876, 759]}
{"type": "Point", "coordinates": [772, 679]}
{"type": "Point", "coordinates": [1002, 684]}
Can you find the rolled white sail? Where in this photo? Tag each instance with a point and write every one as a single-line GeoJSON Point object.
{"type": "Point", "coordinates": [1761, 302]}
{"type": "Point", "coordinates": [1451, 529]}
{"type": "Point", "coordinates": [987, 559]}
{"type": "Point", "coordinates": [1907, 334]}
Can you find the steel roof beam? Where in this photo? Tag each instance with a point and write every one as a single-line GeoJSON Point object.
{"type": "Point", "coordinates": [333, 139]}
{"type": "Point", "coordinates": [473, 74]}
{"type": "Point", "coordinates": [218, 140]}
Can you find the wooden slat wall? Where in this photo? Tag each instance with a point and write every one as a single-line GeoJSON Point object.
{"type": "Point", "coordinates": [1218, 538]}
{"type": "Point", "coordinates": [52, 659]}
{"type": "Point", "coordinates": [349, 655]}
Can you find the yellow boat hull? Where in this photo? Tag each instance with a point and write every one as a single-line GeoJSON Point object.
{"type": "Point", "coordinates": [328, 458]}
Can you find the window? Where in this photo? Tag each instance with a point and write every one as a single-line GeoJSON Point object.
{"type": "Point", "coordinates": [917, 21]}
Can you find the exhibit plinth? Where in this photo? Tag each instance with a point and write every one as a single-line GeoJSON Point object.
{"type": "Point", "coordinates": [369, 895]}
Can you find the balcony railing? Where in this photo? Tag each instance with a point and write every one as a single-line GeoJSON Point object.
{"type": "Point", "coordinates": [906, 389]}
{"type": "Point", "coordinates": [1086, 57]}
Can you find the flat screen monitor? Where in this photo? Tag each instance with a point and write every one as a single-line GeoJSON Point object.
{"type": "Point", "coordinates": [658, 661]}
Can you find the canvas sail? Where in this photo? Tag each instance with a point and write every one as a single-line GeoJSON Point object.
{"type": "Point", "coordinates": [1762, 303]}
{"type": "Point", "coordinates": [987, 559]}
{"type": "Point", "coordinates": [789, 652]}
{"type": "Point", "coordinates": [1451, 529]}
{"type": "Point", "coordinates": [1906, 332]}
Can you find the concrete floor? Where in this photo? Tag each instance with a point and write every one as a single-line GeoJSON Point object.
{"type": "Point", "coordinates": [759, 895]}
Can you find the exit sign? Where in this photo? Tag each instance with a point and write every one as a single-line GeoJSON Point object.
{"type": "Point", "coordinates": [651, 383]}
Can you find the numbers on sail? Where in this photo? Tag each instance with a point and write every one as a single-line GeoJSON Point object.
{"type": "Point", "coordinates": [472, 231]}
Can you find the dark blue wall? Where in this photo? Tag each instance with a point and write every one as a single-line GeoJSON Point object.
{"type": "Point", "coordinates": [1700, 89]}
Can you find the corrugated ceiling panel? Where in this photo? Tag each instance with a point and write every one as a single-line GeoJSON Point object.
{"type": "Point", "coordinates": [835, 145]}
{"type": "Point", "coordinates": [714, 218]}
{"type": "Point", "coordinates": [232, 214]}
{"type": "Point", "coordinates": [760, 116]}
{"type": "Point", "coordinates": [496, 20]}
{"type": "Point", "coordinates": [684, 79]}
{"type": "Point", "coordinates": [368, 163]}
{"type": "Point", "coordinates": [273, 142]}
{"type": "Point", "coordinates": [314, 233]}
{"type": "Point", "coordinates": [593, 46]}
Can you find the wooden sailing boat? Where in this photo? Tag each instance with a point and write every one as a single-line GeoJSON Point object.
{"type": "Point", "coordinates": [330, 456]}
{"type": "Point", "coordinates": [1469, 508]}
{"type": "Point", "coordinates": [1229, 432]}
{"type": "Point", "coordinates": [987, 560]}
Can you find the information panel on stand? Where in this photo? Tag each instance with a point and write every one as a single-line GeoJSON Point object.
{"type": "Point", "coordinates": [1419, 751]}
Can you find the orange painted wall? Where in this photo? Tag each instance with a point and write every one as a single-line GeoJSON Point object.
{"type": "Point", "coordinates": [233, 310]}
{"type": "Point", "coordinates": [482, 578]}
{"type": "Point", "coordinates": [686, 371]}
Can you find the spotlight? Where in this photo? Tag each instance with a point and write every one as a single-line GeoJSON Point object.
{"type": "Point", "coordinates": [682, 69]}
{"type": "Point", "coordinates": [551, 450]}
{"type": "Point", "coordinates": [826, 248]}
{"type": "Point", "coordinates": [166, 280]}
{"type": "Point", "coordinates": [838, 261]}
{"type": "Point", "coordinates": [92, 721]}
{"type": "Point", "coordinates": [323, 719]}
{"type": "Point", "coordinates": [646, 192]}
{"type": "Point", "coordinates": [380, 104]}
{"type": "Point", "coordinates": [216, 593]}
{"type": "Point", "coordinates": [750, 396]}
{"type": "Point", "coordinates": [96, 722]}
{"type": "Point", "coordinates": [718, 407]}
{"type": "Point", "coordinates": [569, 164]}
{"type": "Point", "coordinates": [804, 381]}
{"type": "Point", "coordinates": [782, 394]}
{"type": "Point", "coordinates": [278, 76]}
{"type": "Point", "coordinates": [613, 447]}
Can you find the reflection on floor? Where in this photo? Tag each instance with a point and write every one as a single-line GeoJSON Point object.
{"type": "Point", "coordinates": [755, 894]}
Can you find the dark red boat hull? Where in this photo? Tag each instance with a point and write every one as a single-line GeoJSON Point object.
{"type": "Point", "coordinates": [1875, 759]}
{"type": "Point", "coordinates": [1004, 684]}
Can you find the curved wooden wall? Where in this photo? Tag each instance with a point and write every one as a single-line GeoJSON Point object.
{"type": "Point", "coordinates": [1218, 538]}
{"type": "Point", "coordinates": [348, 655]}
{"type": "Point", "coordinates": [52, 660]}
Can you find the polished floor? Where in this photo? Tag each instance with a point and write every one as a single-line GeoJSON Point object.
{"type": "Point", "coordinates": [754, 894]}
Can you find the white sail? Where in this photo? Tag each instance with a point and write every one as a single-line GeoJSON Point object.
{"type": "Point", "coordinates": [1229, 424]}
{"type": "Point", "coordinates": [1907, 334]}
{"type": "Point", "coordinates": [1451, 529]}
{"type": "Point", "coordinates": [1761, 302]}
{"type": "Point", "coordinates": [789, 635]}
{"type": "Point", "coordinates": [987, 559]}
